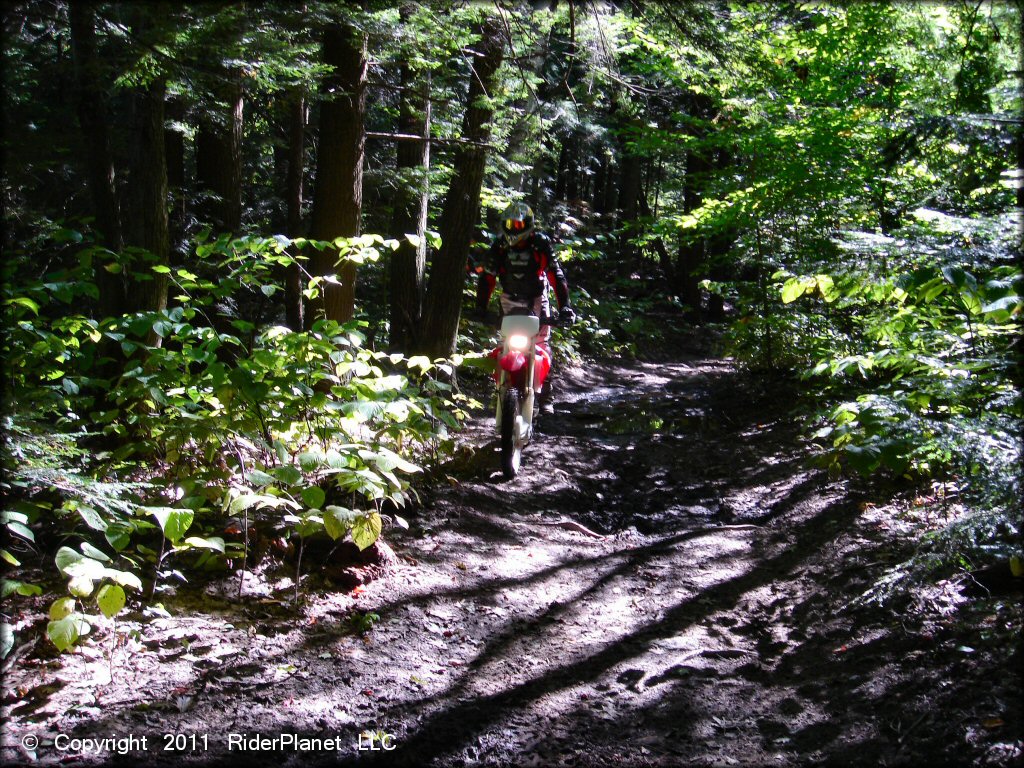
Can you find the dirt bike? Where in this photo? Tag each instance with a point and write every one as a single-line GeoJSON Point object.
{"type": "Point", "coordinates": [521, 370]}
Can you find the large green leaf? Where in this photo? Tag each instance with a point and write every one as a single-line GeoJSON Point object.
{"type": "Point", "coordinates": [11, 587]}
{"type": "Point", "coordinates": [213, 542]}
{"type": "Point", "coordinates": [65, 632]}
{"type": "Point", "coordinates": [110, 599]}
{"type": "Point", "coordinates": [314, 496]}
{"type": "Point", "coordinates": [338, 521]}
{"type": "Point", "coordinates": [366, 530]}
{"type": "Point", "coordinates": [173, 522]}
{"type": "Point", "coordinates": [61, 608]}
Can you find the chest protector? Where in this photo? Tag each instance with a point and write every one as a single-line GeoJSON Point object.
{"type": "Point", "coordinates": [523, 273]}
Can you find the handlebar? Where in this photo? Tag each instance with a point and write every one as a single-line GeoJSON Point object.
{"type": "Point", "coordinates": [553, 320]}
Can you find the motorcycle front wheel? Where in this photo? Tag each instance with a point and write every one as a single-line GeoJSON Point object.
{"type": "Point", "coordinates": [511, 445]}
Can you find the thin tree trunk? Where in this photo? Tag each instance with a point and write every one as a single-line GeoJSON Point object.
{"type": "Point", "coordinates": [408, 262]}
{"type": "Point", "coordinates": [462, 203]}
{"type": "Point", "coordinates": [630, 170]}
{"type": "Point", "coordinates": [659, 244]}
{"type": "Point", "coordinates": [219, 157]}
{"type": "Point", "coordinates": [600, 179]}
{"type": "Point", "coordinates": [92, 117]}
{"type": "Point", "coordinates": [296, 115]}
{"type": "Point", "coordinates": [338, 194]}
{"type": "Point", "coordinates": [562, 171]}
{"type": "Point", "coordinates": [691, 251]}
{"type": "Point", "coordinates": [174, 148]}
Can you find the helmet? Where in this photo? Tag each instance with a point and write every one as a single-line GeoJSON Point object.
{"type": "Point", "coordinates": [517, 223]}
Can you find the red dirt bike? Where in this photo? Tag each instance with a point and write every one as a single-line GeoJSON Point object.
{"type": "Point", "coordinates": [522, 367]}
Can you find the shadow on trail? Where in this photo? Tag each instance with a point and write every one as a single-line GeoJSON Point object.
{"type": "Point", "coordinates": [452, 728]}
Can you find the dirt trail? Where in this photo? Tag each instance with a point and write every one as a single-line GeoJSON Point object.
{"type": "Point", "coordinates": [708, 625]}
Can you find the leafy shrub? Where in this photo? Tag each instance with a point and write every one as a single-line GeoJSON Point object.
{"type": "Point", "coordinates": [141, 435]}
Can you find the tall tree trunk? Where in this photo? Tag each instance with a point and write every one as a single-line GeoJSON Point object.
{"type": "Point", "coordinates": [664, 257]}
{"type": "Point", "coordinates": [174, 148]}
{"type": "Point", "coordinates": [289, 172]}
{"type": "Point", "coordinates": [562, 171]}
{"type": "Point", "coordinates": [92, 117]}
{"type": "Point", "coordinates": [219, 156]}
{"type": "Point", "coordinates": [408, 262]}
{"type": "Point", "coordinates": [719, 246]}
{"type": "Point", "coordinates": [148, 190]}
{"type": "Point", "coordinates": [600, 179]}
{"type": "Point", "coordinates": [462, 203]}
{"type": "Point", "coordinates": [630, 170]}
{"type": "Point", "coordinates": [338, 194]}
{"type": "Point", "coordinates": [691, 250]}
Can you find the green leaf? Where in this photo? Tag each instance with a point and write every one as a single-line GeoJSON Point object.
{"type": "Point", "coordinates": [118, 535]}
{"type": "Point", "coordinates": [24, 301]}
{"type": "Point", "coordinates": [64, 633]}
{"type": "Point", "coordinates": [420, 361]}
{"type": "Point", "coordinates": [387, 461]}
{"type": "Point", "coordinates": [124, 578]}
{"type": "Point", "coordinates": [67, 557]}
{"type": "Point", "coordinates": [96, 554]}
{"type": "Point", "coordinates": [92, 518]}
{"type": "Point", "coordinates": [308, 524]}
{"type": "Point", "coordinates": [61, 608]}
{"type": "Point", "coordinates": [9, 587]}
{"type": "Point", "coordinates": [366, 530]}
{"type": "Point", "coordinates": [81, 586]}
{"type": "Point", "coordinates": [314, 496]}
{"type": "Point", "coordinates": [310, 461]}
{"type": "Point", "coordinates": [7, 557]}
{"type": "Point", "coordinates": [792, 290]}
{"type": "Point", "coordinates": [173, 522]}
{"type": "Point", "coordinates": [338, 521]}
{"type": "Point", "coordinates": [1012, 305]}
{"type": "Point", "coordinates": [110, 599]}
{"type": "Point", "coordinates": [20, 530]}
{"type": "Point", "coordinates": [214, 542]}
{"type": "Point", "coordinates": [259, 478]}
{"type": "Point", "coordinates": [288, 474]}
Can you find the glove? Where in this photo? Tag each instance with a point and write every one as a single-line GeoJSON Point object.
{"type": "Point", "coordinates": [566, 316]}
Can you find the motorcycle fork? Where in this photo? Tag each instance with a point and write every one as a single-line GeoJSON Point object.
{"type": "Point", "coordinates": [528, 388]}
{"type": "Point", "coordinates": [527, 395]}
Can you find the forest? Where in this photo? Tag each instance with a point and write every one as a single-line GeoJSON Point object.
{"type": "Point", "coordinates": [249, 479]}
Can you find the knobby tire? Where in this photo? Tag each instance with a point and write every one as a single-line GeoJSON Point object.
{"type": "Point", "coordinates": [511, 450]}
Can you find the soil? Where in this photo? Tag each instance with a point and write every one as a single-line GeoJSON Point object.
{"type": "Point", "coordinates": [667, 582]}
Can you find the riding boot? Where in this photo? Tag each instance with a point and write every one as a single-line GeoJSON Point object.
{"type": "Point", "coordinates": [545, 397]}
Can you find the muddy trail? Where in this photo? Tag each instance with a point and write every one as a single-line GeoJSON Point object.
{"type": "Point", "coordinates": [665, 583]}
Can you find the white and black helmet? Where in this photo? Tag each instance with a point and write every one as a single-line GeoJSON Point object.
{"type": "Point", "coordinates": [517, 223]}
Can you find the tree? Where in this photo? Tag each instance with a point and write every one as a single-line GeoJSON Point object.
{"type": "Point", "coordinates": [219, 153]}
{"type": "Point", "coordinates": [462, 203]}
{"type": "Point", "coordinates": [338, 192]}
{"type": "Point", "coordinates": [92, 117]}
{"type": "Point", "coordinates": [411, 202]}
{"type": "Point", "coordinates": [295, 119]}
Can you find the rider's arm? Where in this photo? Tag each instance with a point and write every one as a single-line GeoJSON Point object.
{"type": "Point", "coordinates": [555, 275]}
{"type": "Point", "coordinates": [486, 280]}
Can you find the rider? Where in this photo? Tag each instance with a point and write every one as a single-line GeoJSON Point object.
{"type": "Point", "coordinates": [523, 260]}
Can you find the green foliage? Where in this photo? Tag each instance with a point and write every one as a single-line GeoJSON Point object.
{"type": "Point", "coordinates": [362, 623]}
{"type": "Point", "coordinates": [309, 430]}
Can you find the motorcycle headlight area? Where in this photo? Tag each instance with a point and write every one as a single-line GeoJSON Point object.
{"type": "Point", "coordinates": [518, 342]}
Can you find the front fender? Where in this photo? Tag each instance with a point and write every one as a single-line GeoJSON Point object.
{"type": "Point", "coordinates": [512, 361]}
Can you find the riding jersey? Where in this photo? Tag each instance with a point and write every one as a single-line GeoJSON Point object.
{"type": "Point", "coordinates": [524, 270]}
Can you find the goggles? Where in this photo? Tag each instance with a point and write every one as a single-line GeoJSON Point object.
{"type": "Point", "coordinates": [514, 225]}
